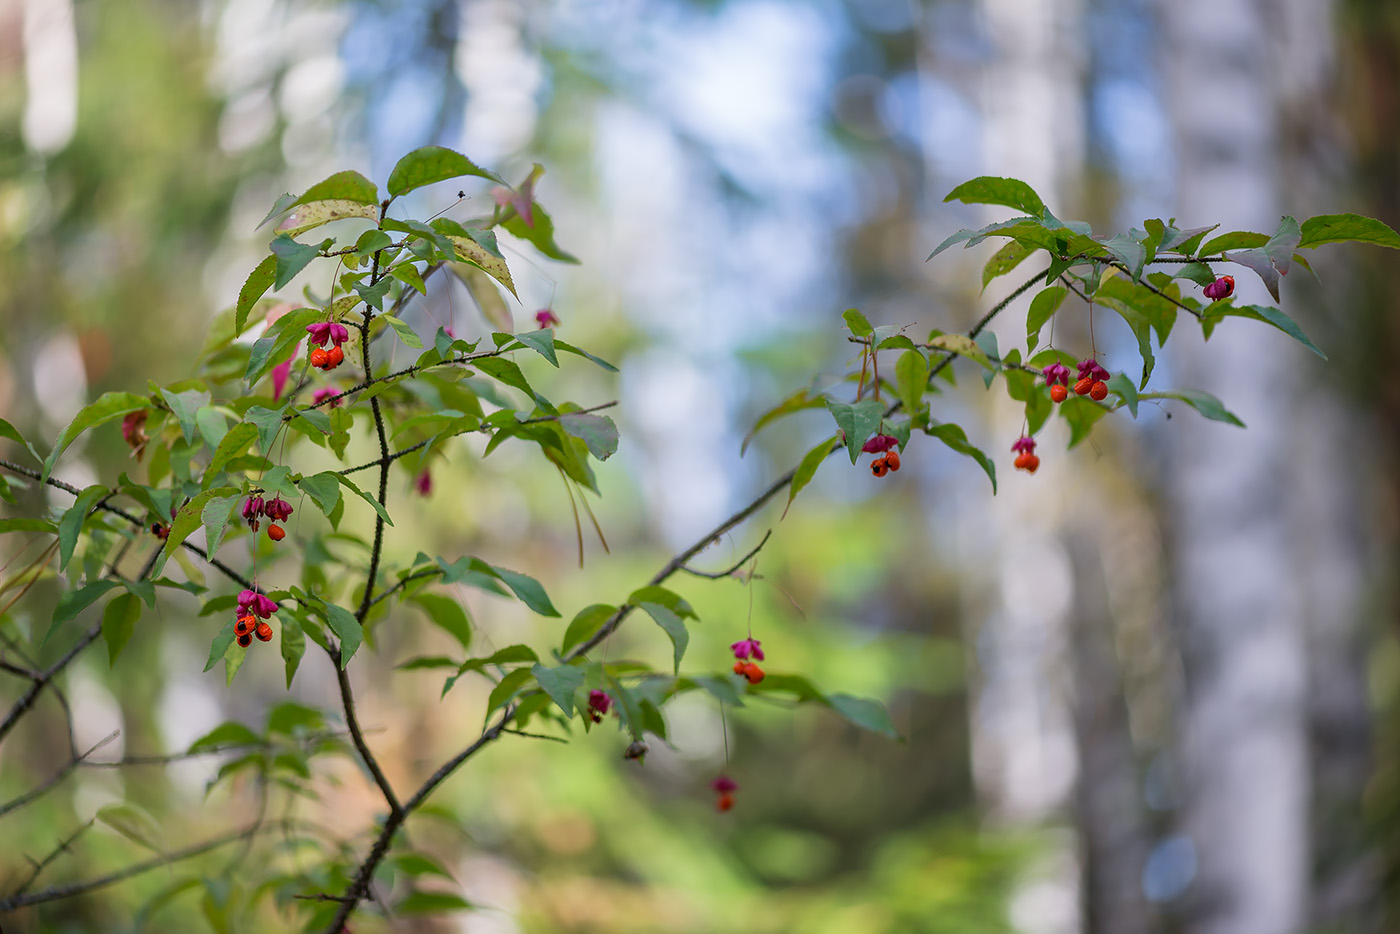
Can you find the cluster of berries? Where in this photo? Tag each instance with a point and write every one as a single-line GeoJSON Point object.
{"type": "Point", "coordinates": [724, 786]}
{"type": "Point", "coordinates": [1026, 458]}
{"type": "Point", "coordinates": [1091, 380]}
{"type": "Point", "coordinates": [599, 704]}
{"type": "Point", "coordinates": [276, 510]}
{"type": "Point", "coordinates": [253, 611]}
{"type": "Point", "coordinates": [1223, 287]}
{"type": "Point", "coordinates": [883, 445]}
{"type": "Point", "coordinates": [743, 650]}
{"type": "Point", "coordinates": [323, 333]}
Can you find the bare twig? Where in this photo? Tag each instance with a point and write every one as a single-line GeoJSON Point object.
{"type": "Point", "coordinates": [728, 572]}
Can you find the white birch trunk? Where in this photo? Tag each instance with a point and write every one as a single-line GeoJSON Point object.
{"type": "Point", "coordinates": [1238, 598]}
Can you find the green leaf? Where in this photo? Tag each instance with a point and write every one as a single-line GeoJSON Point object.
{"type": "Point", "coordinates": [570, 348]}
{"type": "Point", "coordinates": [132, 822]}
{"type": "Point", "coordinates": [27, 525]}
{"type": "Point", "coordinates": [1120, 384]}
{"type": "Point", "coordinates": [1081, 413]}
{"type": "Point", "coordinates": [856, 323]}
{"type": "Point", "coordinates": [1266, 313]}
{"type": "Point", "coordinates": [292, 257]}
{"type": "Point", "coordinates": [119, 622]}
{"type": "Point", "coordinates": [228, 733]}
{"type": "Point", "coordinates": [233, 444]}
{"type": "Point", "coordinates": [1202, 402]}
{"type": "Point", "coordinates": [1199, 273]}
{"type": "Point", "coordinates": [506, 371]}
{"type": "Point", "coordinates": [475, 254]}
{"type": "Point", "coordinates": [323, 488]}
{"type": "Point", "coordinates": [1234, 240]}
{"type": "Point", "coordinates": [293, 645]}
{"type": "Point", "coordinates": [373, 295]}
{"type": "Point", "coordinates": [911, 378]}
{"type": "Point", "coordinates": [858, 421]}
{"type": "Point", "coordinates": [257, 283]}
{"type": "Point", "coordinates": [71, 525]}
{"type": "Point", "coordinates": [988, 189]}
{"type": "Point", "coordinates": [508, 687]}
{"type": "Point", "coordinates": [1046, 302]}
{"type": "Point", "coordinates": [217, 648]}
{"type": "Point", "coordinates": [431, 164]}
{"type": "Point", "coordinates": [585, 624]}
{"type": "Point", "coordinates": [953, 436]}
{"type": "Point", "coordinates": [1344, 228]}
{"type": "Point", "coordinates": [418, 864]}
{"type": "Point", "coordinates": [1185, 241]}
{"type": "Point", "coordinates": [963, 346]}
{"type": "Point", "coordinates": [313, 214]}
{"type": "Point", "coordinates": [74, 602]}
{"type": "Point", "coordinates": [798, 402]}
{"type": "Point", "coordinates": [408, 274]}
{"type": "Point", "coordinates": [1005, 260]}
{"type": "Point", "coordinates": [448, 615]}
{"type": "Point", "coordinates": [278, 342]}
{"type": "Point", "coordinates": [524, 586]}
{"type": "Point", "coordinates": [405, 333]}
{"type": "Point", "coordinates": [1128, 251]}
{"type": "Point", "coordinates": [1283, 244]}
{"type": "Point", "coordinates": [189, 518]}
{"type": "Point", "coordinates": [215, 518]}
{"type": "Point", "coordinates": [1141, 330]}
{"type": "Point", "coordinates": [1262, 264]}
{"type": "Point", "coordinates": [268, 423]}
{"type": "Point", "coordinates": [342, 186]}
{"type": "Point", "coordinates": [347, 628]}
{"type": "Point", "coordinates": [808, 468]}
{"type": "Point", "coordinates": [560, 684]}
{"type": "Point", "coordinates": [211, 424]}
{"type": "Point", "coordinates": [673, 626]}
{"type": "Point", "coordinates": [184, 405]}
{"type": "Point", "coordinates": [431, 903]}
{"type": "Point", "coordinates": [540, 234]}
{"type": "Point", "coordinates": [541, 342]}
{"type": "Point", "coordinates": [109, 406]}
{"type": "Point", "coordinates": [867, 714]}
{"type": "Point", "coordinates": [378, 507]}
{"type": "Point", "coordinates": [660, 595]}
{"type": "Point", "coordinates": [597, 431]}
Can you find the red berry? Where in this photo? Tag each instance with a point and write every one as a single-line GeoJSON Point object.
{"type": "Point", "coordinates": [264, 632]}
{"type": "Point", "coordinates": [879, 466]}
{"type": "Point", "coordinates": [245, 640]}
{"type": "Point", "coordinates": [725, 802]}
{"type": "Point", "coordinates": [892, 460]}
{"type": "Point", "coordinates": [276, 533]}
{"type": "Point", "coordinates": [319, 358]}
{"type": "Point", "coordinates": [739, 668]}
{"type": "Point", "coordinates": [1032, 463]}
{"type": "Point", "coordinates": [243, 626]}
{"type": "Point", "coordinates": [334, 357]}
{"type": "Point", "coordinates": [1098, 391]}
{"type": "Point", "coordinates": [1082, 387]}
{"type": "Point", "coordinates": [1058, 394]}
{"type": "Point", "coordinates": [1020, 461]}
{"type": "Point", "coordinates": [753, 673]}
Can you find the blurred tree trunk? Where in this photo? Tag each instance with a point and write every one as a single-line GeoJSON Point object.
{"type": "Point", "coordinates": [1266, 568]}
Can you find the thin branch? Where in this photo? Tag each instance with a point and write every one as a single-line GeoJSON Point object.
{"type": "Point", "coordinates": [347, 701]}
{"type": "Point", "coordinates": [385, 460]}
{"type": "Point", "coordinates": [728, 572]}
{"type": "Point", "coordinates": [555, 418]}
{"type": "Point", "coordinates": [61, 848]}
{"type": "Point", "coordinates": [55, 893]}
{"type": "Point", "coordinates": [227, 571]}
{"type": "Point", "coordinates": [26, 700]}
{"type": "Point", "coordinates": [54, 780]}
